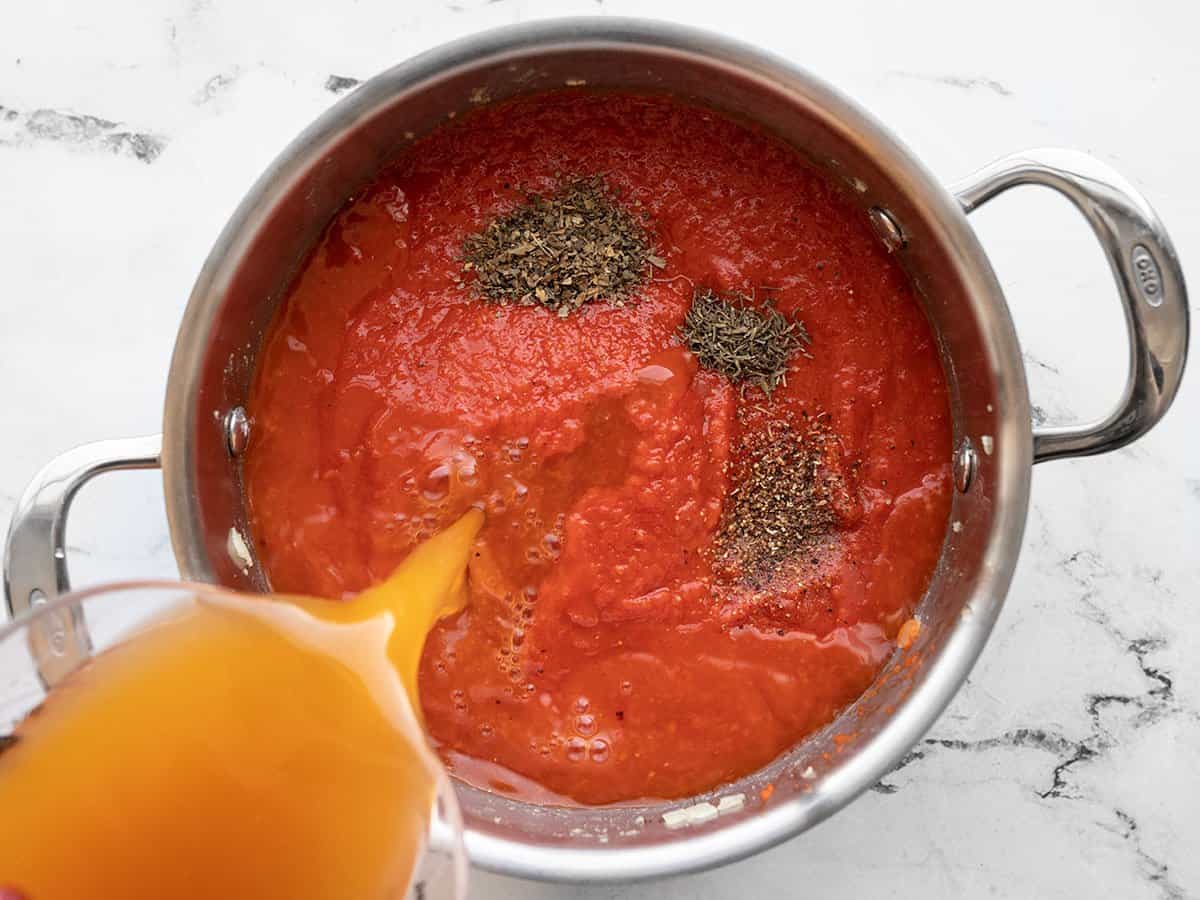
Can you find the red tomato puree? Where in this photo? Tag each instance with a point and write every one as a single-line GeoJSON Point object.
{"type": "Point", "coordinates": [601, 659]}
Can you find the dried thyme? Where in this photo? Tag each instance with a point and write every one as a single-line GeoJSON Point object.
{"type": "Point", "coordinates": [575, 247]}
{"type": "Point", "coordinates": [744, 342]}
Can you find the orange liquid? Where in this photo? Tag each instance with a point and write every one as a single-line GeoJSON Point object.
{"type": "Point", "coordinates": [240, 748]}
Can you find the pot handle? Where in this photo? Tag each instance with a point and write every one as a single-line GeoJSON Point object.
{"type": "Point", "coordinates": [35, 557]}
{"type": "Point", "coordinates": [1148, 277]}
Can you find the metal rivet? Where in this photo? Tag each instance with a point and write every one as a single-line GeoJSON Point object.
{"type": "Point", "coordinates": [237, 431]}
{"type": "Point", "coordinates": [965, 463]}
{"type": "Point", "coordinates": [888, 229]}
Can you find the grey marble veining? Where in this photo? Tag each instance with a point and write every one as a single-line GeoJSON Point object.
{"type": "Point", "coordinates": [1069, 764]}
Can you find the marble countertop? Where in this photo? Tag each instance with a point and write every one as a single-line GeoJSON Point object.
{"type": "Point", "coordinates": [1069, 765]}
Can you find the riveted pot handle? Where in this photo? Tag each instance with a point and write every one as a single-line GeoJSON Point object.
{"type": "Point", "coordinates": [1148, 277]}
{"type": "Point", "coordinates": [35, 559]}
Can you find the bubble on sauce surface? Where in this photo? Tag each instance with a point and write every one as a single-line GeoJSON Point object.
{"type": "Point", "coordinates": [599, 750]}
{"type": "Point", "coordinates": [576, 749]}
{"type": "Point", "coordinates": [466, 469]}
{"type": "Point", "coordinates": [435, 485]}
{"type": "Point", "coordinates": [654, 374]}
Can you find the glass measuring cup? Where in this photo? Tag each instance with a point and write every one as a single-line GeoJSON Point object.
{"type": "Point", "coordinates": [43, 664]}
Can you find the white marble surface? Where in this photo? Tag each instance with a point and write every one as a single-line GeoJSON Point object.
{"type": "Point", "coordinates": [1069, 766]}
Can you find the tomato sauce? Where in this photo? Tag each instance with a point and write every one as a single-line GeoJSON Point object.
{"type": "Point", "coordinates": [601, 658]}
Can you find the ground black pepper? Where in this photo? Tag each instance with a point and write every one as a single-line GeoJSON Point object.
{"type": "Point", "coordinates": [789, 492]}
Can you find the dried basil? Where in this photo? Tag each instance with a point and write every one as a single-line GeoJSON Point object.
{"type": "Point", "coordinates": [575, 247]}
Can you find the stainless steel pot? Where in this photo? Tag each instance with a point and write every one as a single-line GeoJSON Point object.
{"type": "Point", "coordinates": [205, 429]}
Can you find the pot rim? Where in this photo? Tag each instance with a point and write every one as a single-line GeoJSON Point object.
{"type": "Point", "coordinates": [1013, 461]}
